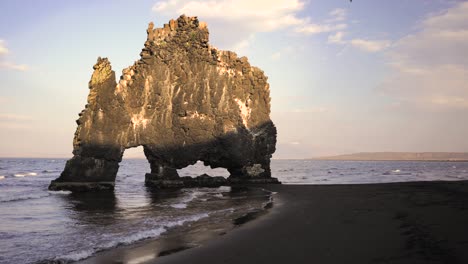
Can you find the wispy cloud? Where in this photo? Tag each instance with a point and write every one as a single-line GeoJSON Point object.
{"type": "Point", "coordinates": [370, 45]}
{"type": "Point", "coordinates": [3, 49]}
{"type": "Point", "coordinates": [359, 43]}
{"type": "Point", "coordinates": [276, 55]}
{"type": "Point", "coordinates": [4, 63]}
{"type": "Point", "coordinates": [320, 28]}
{"type": "Point", "coordinates": [13, 66]}
{"type": "Point", "coordinates": [338, 14]}
{"type": "Point", "coordinates": [334, 23]}
{"type": "Point", "coordinates": [429, 68]}
{"type": "Point", "coordinates": [286, 50]}
{"type": "Point", "coordinates": [337, 38]}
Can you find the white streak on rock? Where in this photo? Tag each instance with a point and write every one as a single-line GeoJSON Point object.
{"type": "Point", "coordinates": [245, 111]}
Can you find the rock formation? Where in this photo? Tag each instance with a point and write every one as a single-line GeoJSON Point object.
{"type": "Point", "coordinates": [183, 101]}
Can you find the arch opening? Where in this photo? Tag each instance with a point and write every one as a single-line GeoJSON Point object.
{"type": "Point", "coordinates": [199, 169]}
{"type": "Point", "coordinates": [133, 167]}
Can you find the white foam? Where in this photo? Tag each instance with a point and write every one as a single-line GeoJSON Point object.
{"type": "Point", "coordinates": [24, 197]}
{"type": "Point", "coordinates": [75, 256]}
{"type": "Point", "coordinates": [182, 204]}
{"type": "Point", "coordinates": [2, 177]}
{"type": "Point", "coordinates": [224, 189]}
{"type": "Point", "coordinates": [192, 218]}
{"type": "Point", "coordinates": [20, 175]}
{"type": "Point", "coordinates": [152, 233]}
{"type": "Point", "coordinates": [179, 205]}
{"type": "Point", "coordinates": [219, 195]}
{"type": "Point", "coordinates": [60, 192]}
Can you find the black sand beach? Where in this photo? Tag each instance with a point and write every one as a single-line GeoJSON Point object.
{"type": "Point", "coordinates": [419, 222]}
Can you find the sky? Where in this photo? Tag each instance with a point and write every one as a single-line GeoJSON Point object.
{"type": "Point", "coordinates": [345, 76]}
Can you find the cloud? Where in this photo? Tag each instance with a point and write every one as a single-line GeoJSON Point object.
{"type": "Point", "coordinates": [234, 22]}
{"type": "Point", "coordinates": [337, 38]}
{"type": "Point", "coordinates": [286, 50]}
{"type": "Point", "coordinates": [338, 14]}
{"type": "Point", "coordinates": [429, 69]}
{"type": "Point", "coordinates": [4, 63]}
{"type": "Point", "coordinates": [361, 44]}
{"type": "Point", "coordinates": [13, 66]}
{"type": "Point", "coordinates": [243, 44]}
{"type": "Point", "coordinates": [370, 45]}
{"type": "Point", "coordinates": [320, 28]}
{"type": "Point", "coordinates": [3, 49]}
{"type": "Point", "coordinates": [276, 55]}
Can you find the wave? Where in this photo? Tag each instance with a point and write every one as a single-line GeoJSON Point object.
{"type": "Point", "coordinates": [60, 192]}
{"type": "Point", "coordinates": [25, 197]}
{"type": "Point", "coordinates": [179, 205]}
{"type": "Point", "coordinates": [182, 204]}
{"type": "Point", "coordinates": [120, 241]}
{"type": "Point", "coordinates": [20, 175]}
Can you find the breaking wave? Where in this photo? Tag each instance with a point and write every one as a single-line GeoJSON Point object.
{"type": "Point", "coordinates": [120, 241]}
{"type": "Point", "coordinates": [24, 197]}
{"type": "Point", "coordinates": [20, 175]}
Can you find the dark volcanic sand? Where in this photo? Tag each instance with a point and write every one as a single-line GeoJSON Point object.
{"type": "Point", "coordinates": [422, 222]}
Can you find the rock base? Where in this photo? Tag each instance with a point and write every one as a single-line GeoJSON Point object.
{"type": "Point", "coordinates": [233, 181]}
{"type": "Point", "coordinates": [81, 186]}
{"type": "Point", "coordinates": [182, 182]}
{"type": "Point", "coordinates": [204, 181]}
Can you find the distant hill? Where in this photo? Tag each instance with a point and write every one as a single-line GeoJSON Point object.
{"type": "Point", "coordinates": [403, 156]}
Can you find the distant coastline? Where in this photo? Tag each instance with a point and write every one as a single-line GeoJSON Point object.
{"type": "Point", "coordinates": [400, 156]}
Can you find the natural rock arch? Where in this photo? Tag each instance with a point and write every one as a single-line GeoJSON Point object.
{"type": "Point", "coordinates": [183, 101]}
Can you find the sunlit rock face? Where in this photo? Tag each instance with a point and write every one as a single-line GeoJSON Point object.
{"type": "Point", "coordinates": [183, 101]}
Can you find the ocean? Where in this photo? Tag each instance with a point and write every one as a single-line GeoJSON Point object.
{"type": "Point", "coordinates": [40, 226]}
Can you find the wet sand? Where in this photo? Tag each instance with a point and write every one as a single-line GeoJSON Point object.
{"type": "Point", "coordinates": [422, 222]}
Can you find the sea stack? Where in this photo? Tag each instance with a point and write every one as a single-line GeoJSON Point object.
{"type": "Point", "coordinates": [184, 101]}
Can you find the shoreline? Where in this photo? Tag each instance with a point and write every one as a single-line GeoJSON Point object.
{"type": "Point", "coordinates": [415, 222]}
{"type": "Point", "coordinates": [178, 238]}
{"type": "Point", "coordinates": [410, 222]}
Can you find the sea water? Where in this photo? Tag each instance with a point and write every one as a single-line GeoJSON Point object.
{"type": "Point", "coordinates": [37, 225]}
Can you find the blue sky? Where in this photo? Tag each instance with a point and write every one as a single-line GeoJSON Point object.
{"type": "Point", "coordinates": [345, 77]}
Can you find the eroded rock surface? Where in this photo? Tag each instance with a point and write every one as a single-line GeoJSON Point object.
{"type": "Point", "coordinates": [183, 101]}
